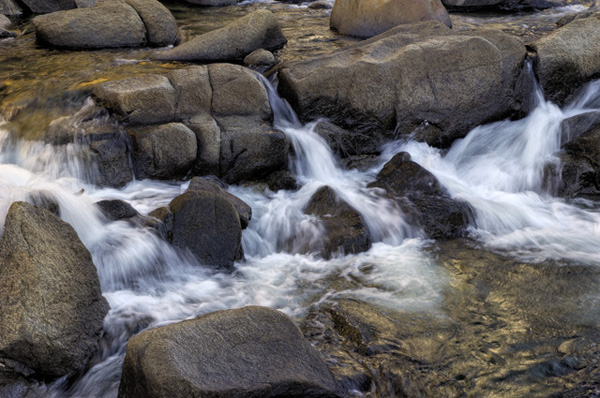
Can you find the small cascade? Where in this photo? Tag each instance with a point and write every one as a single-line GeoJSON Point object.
{"type": "Point", "coordinates": [499, 169]}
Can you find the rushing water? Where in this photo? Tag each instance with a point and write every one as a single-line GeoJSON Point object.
{"type": "Point", "coordinates": [498, 169]}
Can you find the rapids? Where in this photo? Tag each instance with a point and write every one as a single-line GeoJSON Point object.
{"type": "Point", "coordinates": [498, 169]}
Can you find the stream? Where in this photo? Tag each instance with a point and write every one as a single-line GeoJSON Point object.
{"type": "Point", "coordinates": [514, 310]}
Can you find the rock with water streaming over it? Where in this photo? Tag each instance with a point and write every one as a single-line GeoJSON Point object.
{"type": "Point", "coordinates": [424, 201]}
{"type": "Point", "coordinates": [346, 230]}
{"type": "Point", "coordinates": [366, 18]}
{"type": "Point", "coordinates": [52, 306]}
{"type": "Point", "coordinates": [165, 151]}
{"type": "Point", "coordinates": [568, 58]}
{"type": "Point", "coordinates": [580, 166]}
{"type": "Point", "coordinates": [207, 224]}
{"type": "Point", "coordinates": [421, 79]}
{"type": "Point", "coordinates": [247, 352]}
{"type": "Point", "coordinates": [232, 42]}
{"type": "Point", "coordinates": [109, 25]}
{"type": "Point", "coordinates": [345, 143]}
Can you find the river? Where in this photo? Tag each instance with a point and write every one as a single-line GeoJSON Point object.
{"type": "Point", "coordinates": [511, 311]}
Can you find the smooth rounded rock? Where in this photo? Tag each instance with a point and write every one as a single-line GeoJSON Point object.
{"type": "Point", "coordinates": [249, 352]}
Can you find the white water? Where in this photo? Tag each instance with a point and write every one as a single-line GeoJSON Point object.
{"type": "Point", "coordinates": [497, 169]}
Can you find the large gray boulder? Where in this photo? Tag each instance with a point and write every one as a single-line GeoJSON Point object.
{"type": "Point", "coordinates": [52, 307]}
{"type": "Point", "coordinates": [366, 18]}
{"type": "Point", "coordinates": [424, 201]}
{"type": "Point", "coordinates": [165, 151]}
{"type": "Point", "coordinates": [346, 231]}
{"type": "Point", "coordinates": [143, 99]}
{"type": "Point", "coordinates": [205, 223]}
{"type": "Point", "coordinates": [568, 57]}
{"type": "Point", "coordinates": [248, 352]}
{"type": "Point", "coordinates": [232, 42]}
{"type": "Point", "coordinates": [109, 25]}
{"type": "Point", "coordinates": [419, 79]}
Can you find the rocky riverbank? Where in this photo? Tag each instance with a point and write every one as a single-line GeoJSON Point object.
{"type": "Point", "coordinates": [200, 110]}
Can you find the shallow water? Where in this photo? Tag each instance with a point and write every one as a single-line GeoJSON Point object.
{"type": "Point", "coordinates": [511, 312]}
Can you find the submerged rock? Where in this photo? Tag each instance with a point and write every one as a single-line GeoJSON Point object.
{"type": "Point", "coordinates": [567, 58]}
{"type": "Point", "coordinates": [247, 352]}
{"type": "Point", "coordinates": [52, 307]}
{"type": "Point", "coordinates": [346, 230]}
{"type": "Point", "coordinates": [233, 42]}
{"type": "Point", "coordinates": [422, 198]}
{"type": "Point", "coordinates": [366, 18]}
{"type": "Point", "coordinates": [109, 25]}
{"type": "Point", "coordinates": [422, 79]}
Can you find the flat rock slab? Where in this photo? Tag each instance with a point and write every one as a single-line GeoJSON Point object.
{"type": "Point", "coordinates": [249, 352]}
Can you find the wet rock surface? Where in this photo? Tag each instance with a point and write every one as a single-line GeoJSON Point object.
{"type": "Point", "coordinates": [346, 231]}
{"type": "Point", "coordinates": [422, 198]}
{"type": "Point", "coordinates": [44, 262]}
{"type": "Point", "coordinates": [202, 357]}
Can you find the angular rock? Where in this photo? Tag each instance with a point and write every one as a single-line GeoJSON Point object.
{"type": "Point", "coordinates": [208, 137]}
{"type": "Point", "coordinates": [420, 79]}
{"type": "Point", "coordinates": [247, 352]}
{"type": "Point", "coordinates": [143, 99]}
{"type": "Point", "coordinates": [52, 306]}
{"type": "Point", "coordinates": [46, 6]}
{"type": "Point", "coordinates": [568, 58]}
{"type": "Point", "coordinates": [202, 184]}
{"type": "Point", "coordinates": [366, 18]}
{"type": "Point", "coordinates": [573, 127]}
{"type": "Point", "coordinates": [234, 41]}
{"type": "Point", "coordinates": [238, 92]}
{"type": "Point", "coordinates": [163, 151]}
{"type": "Point", "coordinates": [208, 225]}
{"type": "Point", "coordinates": [10, 8]}
{"type": "Point", "coordinates": [250, 150]}
{"type": "Point", "coordinates": [109, 25]}
{"type": "Point", "coordinates": [346, 230]}
{"type": "Point", "coordinates": [193, 91]}
{"type": "Point", "coordinates": [423, 200]}
{"type": "Point", "coordinates": [161, 27]}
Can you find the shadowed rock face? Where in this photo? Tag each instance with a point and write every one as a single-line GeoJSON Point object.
{"type": "Point", "coordinates": [248, 352]}
{"type": "Point", "coordinates": [371, 17]}
{"type": "Point", "coordinates": [52, 307]}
